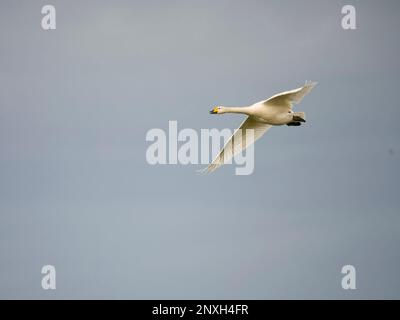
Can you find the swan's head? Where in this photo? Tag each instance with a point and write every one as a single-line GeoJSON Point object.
{"type": "Point", "coordinates": [217, 110]}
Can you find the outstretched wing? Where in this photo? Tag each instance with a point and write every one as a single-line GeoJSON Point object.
{"type": "Point", "coordinates": [239, 141]}
{"type": "Point", "coordinates": [285, 100]}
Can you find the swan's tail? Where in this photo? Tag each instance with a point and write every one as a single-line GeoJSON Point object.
{"type": "Point", "coordinates": [298, 118]}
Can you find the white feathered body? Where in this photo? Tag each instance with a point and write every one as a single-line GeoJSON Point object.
{"type": "Point", "coordinates": [270, 114]}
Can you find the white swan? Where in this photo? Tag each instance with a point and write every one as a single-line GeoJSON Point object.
{"type": "Point", "coordinates": [262, 115]}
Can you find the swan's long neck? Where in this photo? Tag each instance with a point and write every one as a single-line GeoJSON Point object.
{"type": "Point", "coordinates": [242, 110]}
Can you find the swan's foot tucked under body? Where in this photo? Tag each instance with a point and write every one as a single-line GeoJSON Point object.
{"type": "Point", "coordinates": [294, 124]}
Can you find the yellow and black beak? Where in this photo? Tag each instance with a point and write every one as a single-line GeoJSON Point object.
{"type": "Point", "coordinates": [214, 111]}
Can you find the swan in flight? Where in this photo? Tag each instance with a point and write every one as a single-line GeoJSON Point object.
{"type": "Point", "coordinates": [275, 111]}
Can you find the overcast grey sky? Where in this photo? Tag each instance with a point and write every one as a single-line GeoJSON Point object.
{"type": "Point", "coordinates": [76, 191]}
